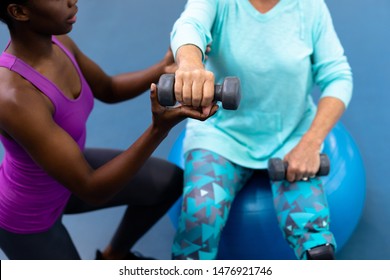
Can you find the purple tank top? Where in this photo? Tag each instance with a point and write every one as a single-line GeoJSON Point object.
{"type": "Point", "coordinates": [30, 200]}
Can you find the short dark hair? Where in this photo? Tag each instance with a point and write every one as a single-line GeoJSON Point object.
{"type": "Point", "coordinates": [4, 16]}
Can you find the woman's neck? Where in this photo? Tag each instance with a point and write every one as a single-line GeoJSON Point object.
{"type": "Point", "coordinates": [30, 47]}
{"type": "Point", "coordinates": [264, 6]}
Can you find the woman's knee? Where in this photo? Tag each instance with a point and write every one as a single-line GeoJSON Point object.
{"type": "Point", "coordinates": [160, 181]}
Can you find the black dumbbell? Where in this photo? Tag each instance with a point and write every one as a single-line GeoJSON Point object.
{"type": "Point", "coordinates": [277, 168]}
{"type": "Point", "coordinates": [229, 93]}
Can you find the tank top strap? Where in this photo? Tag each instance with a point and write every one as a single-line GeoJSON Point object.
{"type": "Point", "coordinates": [18, 66]}
{"type": "Point", "coordinates": [68, 53]}
{"type": "Point", "coordinates": [43, 84]}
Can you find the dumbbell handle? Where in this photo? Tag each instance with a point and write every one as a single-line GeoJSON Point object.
{"type": "Point", "coordinates": [230, 99]}
{"type": "Point", "coordinates": [217, 92]}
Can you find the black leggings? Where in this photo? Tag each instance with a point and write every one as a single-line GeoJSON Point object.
{"type": "Point", "coordinates": [148, 196]}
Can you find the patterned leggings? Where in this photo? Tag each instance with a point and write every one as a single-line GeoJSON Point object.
{"type": "Point", "coordinates": [210, 185]}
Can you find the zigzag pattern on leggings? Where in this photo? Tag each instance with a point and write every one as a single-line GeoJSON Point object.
{"type": "Point", "coordinates": [206, 204]}
{"type": "Point", "coordinates": [303, 214]}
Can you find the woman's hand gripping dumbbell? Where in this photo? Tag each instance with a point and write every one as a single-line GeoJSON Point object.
{"type": "Point", "coordinates": [277, 168]}
{"type": "Point", "coordinates": [229, 92]}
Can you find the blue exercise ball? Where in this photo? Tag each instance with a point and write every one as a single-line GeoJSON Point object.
{"type": "Point", "coordinates": [252, 231]}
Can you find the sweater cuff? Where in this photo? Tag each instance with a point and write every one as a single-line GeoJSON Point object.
{"type": "Point", "coordinates": [186, 35]}
{"type": "Point", "coordinates": [341, 90]}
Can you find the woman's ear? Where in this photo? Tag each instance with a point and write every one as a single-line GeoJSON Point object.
{"type": "Point", "coordinates": [18, 12]}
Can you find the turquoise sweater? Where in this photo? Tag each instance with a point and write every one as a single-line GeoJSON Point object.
{"type": "Point", "coordinates": [279, 57]}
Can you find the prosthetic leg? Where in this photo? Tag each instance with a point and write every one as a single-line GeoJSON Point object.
{"type": "Point", "coordinates": [323, 252]}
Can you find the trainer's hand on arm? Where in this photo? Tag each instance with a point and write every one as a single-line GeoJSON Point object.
{"type": "Point", "coordinates": [169, 63]}
{"type": "Point", "coordinates": [304, 160]}
{"type": "Point", "coordinates": [194, 85]}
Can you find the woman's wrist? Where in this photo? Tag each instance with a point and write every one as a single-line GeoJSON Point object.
{"type": "Point", "coordinates": [312, 140]}
{"type": "Point", "coordinates": [159, 132]}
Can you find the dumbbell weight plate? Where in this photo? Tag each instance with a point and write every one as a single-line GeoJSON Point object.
{"type": "Point", "coordinates": [231, 96]}
{"type": "Point", "coordinates": [165, 90]}
{"type": "Point", "coordinates": [324, 165]}
{"type": "Point", "coordinates": [276, 169]}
